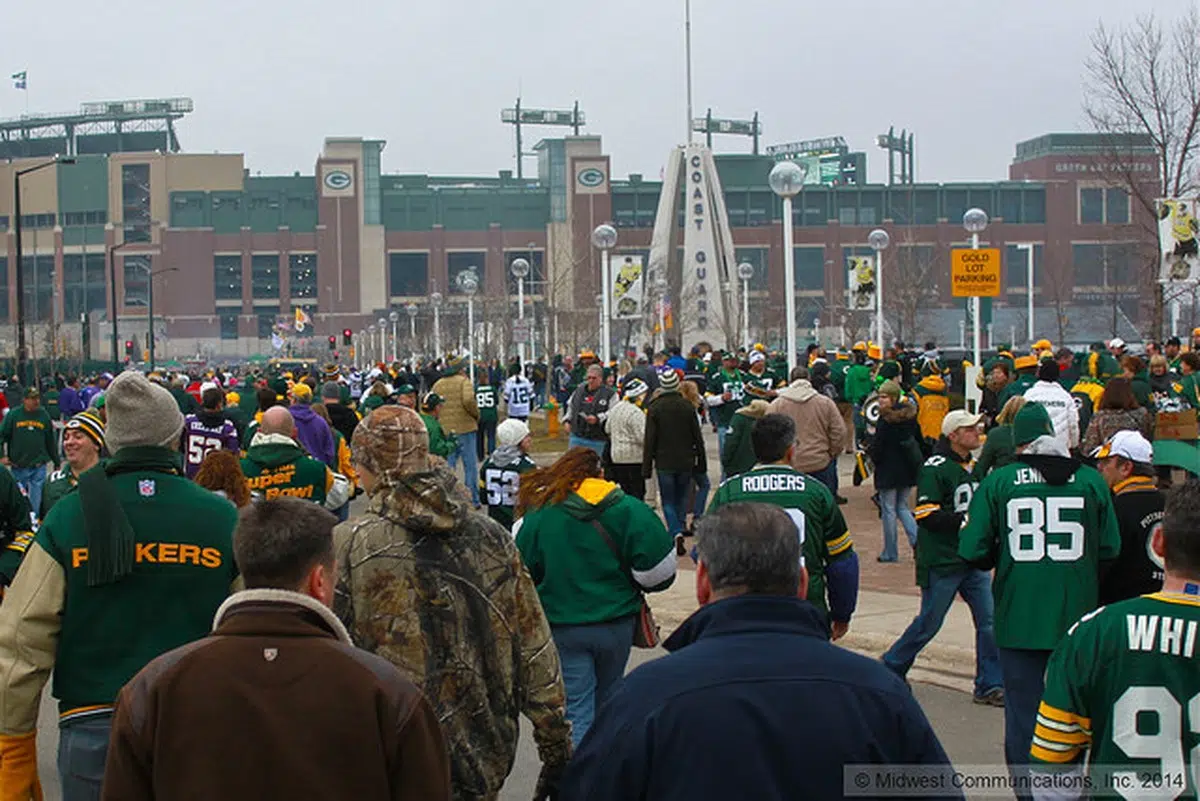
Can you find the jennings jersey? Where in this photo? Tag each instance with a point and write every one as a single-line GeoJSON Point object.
{"type": "Point", "coordinates": [1046, 540]}
{"type": "Point", "coordinates": [202, 436]}
{"type": "Point", "coordinates": [810, 504]}
{"type": "Point", "coordinates": [485, 399]}
{"type": "Point", "coordinates": [498, 488]}
{"type": "Point", "coordinates": [1123, 690]}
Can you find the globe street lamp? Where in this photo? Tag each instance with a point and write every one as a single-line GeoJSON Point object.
{"type": "Point", "coordinates": [879, 241]}
{"type": "Point", "coordinates": [604, 238]}
{"type": "Point", "coordinates": [435, 300]}
{"type": "Point", "coordinates": [394, 316]}
{"type": "Point", "coordinates": [786, 180]}
{"type": "Point", "coordinates": [411, 310]}
{"type": "Point", "coordinates": [468, 284]}
{"type": "Point", "coordinates": [520, 269]}
{"type": "Point", "coordinates": [975, 221]}
{"type": "Point", "coordinates": [745, 271]}
{"type": "Point", "coordinates": [382, 323]}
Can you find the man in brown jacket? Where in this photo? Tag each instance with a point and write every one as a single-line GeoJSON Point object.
{"type": "Point", "coordinates": [276, 703]}
{"type": "Point", "coordinates": [460, 417]}
{"type": "Point", "coordinates": [820, 431]}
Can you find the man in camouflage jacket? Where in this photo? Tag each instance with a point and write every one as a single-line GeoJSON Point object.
{"type": "Point", "coordinates": [440, 591]}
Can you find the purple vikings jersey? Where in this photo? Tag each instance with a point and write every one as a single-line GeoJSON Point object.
{"type": "Point", "coordinates": [201, 437]}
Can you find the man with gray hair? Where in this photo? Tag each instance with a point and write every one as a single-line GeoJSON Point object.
{"type": "Point", "coordinates": [749, 664]}
{"type": "Point", "coordinates": [278, 666]}
{"type": "Point", "coordinates": [588, 409]}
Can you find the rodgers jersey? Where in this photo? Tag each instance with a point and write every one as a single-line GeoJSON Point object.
{"type": "Point", "coordinates": [1047, 541]}
{"type": "Point", "coordinates": [1123, 691]}
{"type": "Point", "coordinates": [498, 488]}
{"type": "Point", "coordinates": [810, 504]}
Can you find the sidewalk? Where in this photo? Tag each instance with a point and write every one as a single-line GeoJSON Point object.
{"type": "Point", "coordinates": [888, 598]}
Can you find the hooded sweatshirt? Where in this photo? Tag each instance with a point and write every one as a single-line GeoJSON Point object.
{"type": "Point", "coordinates": [820, 431]}
{"type": "Point", "coordinates": [275, 466]}
{"type": "Point", "coordinates": [933, 404]}
{"type": "Point", "coordinates": [1064, 413]}
{"type": "Point", "coordinates": [579, 579]}
{"type": "Point", "coordinates": [1046, 522]}
{"type": "Point", "coordinates": [440, 592]}
{"type": "Point", "coordinates": [313, 434]}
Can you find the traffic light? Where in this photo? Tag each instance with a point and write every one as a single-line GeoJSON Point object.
{"type": "Point", "coordinates": [129, 348]}
{"type": "Point", "coordinates": [347, 335]}
{"type": "Point", "coordinates": [333, 343]}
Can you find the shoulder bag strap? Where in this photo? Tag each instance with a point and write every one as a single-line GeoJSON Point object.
{"type": "Point", "coordinates": [612, 546]}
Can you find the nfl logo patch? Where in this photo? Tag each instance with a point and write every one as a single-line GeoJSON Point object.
{"type": "Point", "coordinates": [146, 488]}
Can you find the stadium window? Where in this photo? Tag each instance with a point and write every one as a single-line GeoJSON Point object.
{"type": "Point", "coordinates": [227, 276]}
{"type": "Point", "coordinates": [302, 275]}
{"type": "Point", "coordinates": [408, 274]}
{"type": "Point", "coordinates": [266, 324]}
{"type": "Point", "coordinates": [229, 325]}
{"type": "Point", "coordinates": [460, 262]}
{"type": "Point", "coordinates": [1116, 205]}
{"type": "Point", "coordinates": [810, 268]}
{"type": "Point", "coordinates": [1091, 205]}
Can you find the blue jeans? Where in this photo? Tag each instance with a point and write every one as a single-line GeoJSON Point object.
{"type": "Point", "coordinates": [703, 485]}
{"type": "Point", "coordinates": [672, 493]}
{"type": "Point", "coordinates": [828, 476]}
{"type": "Point", "coordinates": [82, 750]}
{"type": "Point", "coordinates": [465, 450]}
{"type": "Point", "coordinates": [893, 503]}
{"type": "Point", "coordinates": [31, 479]}
{"type": "Point", "coordinates": [722, 433]}
{"type": "Point", "coordinates": [975, 587]}
{"type": "Point", "coordinates": [1024, 673]}
{"type": "Point", "coordinates": [579, 442]}
{"type": "Point", "coordinates": [593, 661]}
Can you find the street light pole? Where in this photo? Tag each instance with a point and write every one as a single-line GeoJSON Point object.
{"type": "Point", "coordinates": [604, 238]}
{"type": "Point", "coordinates": [786, 180]}
{"type": "Point", "coordinates": [879, 241]}
{"type": "Point", "coordinates": [1028, 248]}
{"type": "Point", "coordinates": [745, 272]}
{"type": "Point", "coordinates": [468, 284]}
{"type": "Point", "coordinates": [150, 276]}
{"type": "Point", "coordinates": [411, 311]}
{"type": "Point", "coordinates": [394, 316]}
{"type": "Point", "coordinates": [22, 351]}
{"type": "Point", "coordinates": [975, 221]}
{"type": "Point", "coordinates": [435, 300]}
{"type": "Point", "coordinates": [520, 269]}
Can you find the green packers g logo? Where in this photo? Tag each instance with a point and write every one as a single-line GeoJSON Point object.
{"type": "Point", "coordinates": [591, 177]}
{"type": "Point", "coordinates": [338, 180]}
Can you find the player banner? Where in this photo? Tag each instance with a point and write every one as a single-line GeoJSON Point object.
{"type": "Point", "coordinates": [628, 290]}
{"type": "Point", "coordinates": [1177, 232]}
{"type": "Point", "coordinates": [861, 281]}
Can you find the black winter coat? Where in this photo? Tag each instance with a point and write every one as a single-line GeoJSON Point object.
{"type": "Point", "coordinates": [673, 439]}
{"type": "Point", "coordinates": [898, 448]}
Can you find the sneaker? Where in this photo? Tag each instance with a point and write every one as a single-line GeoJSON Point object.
{"type": "Point", "coordinates": [993, 697]}
{"type": "Point", "coordinates": [841, 501]}
{"type": "Point", "coordinates": [680, 550]}
{"type": "Point", "coordinates": [882, 558]}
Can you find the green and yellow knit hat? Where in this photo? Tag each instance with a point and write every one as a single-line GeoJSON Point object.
{"type": "Point", "coordinates": [90, 424]}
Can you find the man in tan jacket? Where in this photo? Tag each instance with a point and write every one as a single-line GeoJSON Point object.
{"type": "Point", "coordinates": [820, 431]}
{"type": "Point", "coordinates": [460, 416]}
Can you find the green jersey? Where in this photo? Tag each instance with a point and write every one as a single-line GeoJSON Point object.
{"type": "Point", "coordinates": [1046, 540]}
{"type": "Point", "coordinates": [823, 532]}
{"type": "Point", "coordinates": [945, 486]}
{"type": "Point", "coordinates": [759, 385]}
{"type": "Point", "coordinates": [1123, 689]}
{"type": "Point", "coordinates": [50, 404]}
{"type": "Point", "coordinates": [499, 485]}
{"type": "Point", "coordinates": [719, 383]}
{"type": "Point", "coordinates": [486, 400]}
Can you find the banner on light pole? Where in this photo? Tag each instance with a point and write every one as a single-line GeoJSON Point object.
{"type": "Point", "coordinates": [628, 290]}
{"type": "Point", "coordinates": [861, 280]}
{"type": "Point", "coordinates": [1178, 230]}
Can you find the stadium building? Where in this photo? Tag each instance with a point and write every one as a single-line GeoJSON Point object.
{"type": "Point", "coordinates": [230, 255]}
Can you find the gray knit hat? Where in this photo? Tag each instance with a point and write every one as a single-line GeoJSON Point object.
{"type": "Point", "coordinates": [140, 414]}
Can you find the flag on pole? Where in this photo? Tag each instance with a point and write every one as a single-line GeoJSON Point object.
{"type": "Point", "coordinates": [302, 320]}
{"type": "Point", "coordinates": [276, 341]}
{"type": "Point", "coordinates": [20, 80]}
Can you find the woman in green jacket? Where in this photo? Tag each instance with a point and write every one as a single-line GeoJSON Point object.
{"type": "Point", "coordinates": [592, 551]}
{"type": "Point", "coordinates": [738, 455]}
{"type": "Point", "coordinates": [999, 449]}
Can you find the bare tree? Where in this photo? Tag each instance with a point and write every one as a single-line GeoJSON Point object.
{"type": "Point", "coordinates": [1145, 79]}
{"type": "Point", "coordinates": [1057, 283]}
{"type": "Point", "coordinates": [911, 287]}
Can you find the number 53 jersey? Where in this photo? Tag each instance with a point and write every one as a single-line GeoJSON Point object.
{"type": "Point", "coordinates": [1123, 689]}
{"type": "Point", "coordinates": [1046, 523]}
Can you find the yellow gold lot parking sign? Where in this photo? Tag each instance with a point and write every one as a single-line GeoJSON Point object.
{"type": "Point", "coordinates": [975, 273]}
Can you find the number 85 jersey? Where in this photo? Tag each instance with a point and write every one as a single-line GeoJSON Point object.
{"type": "Point", "coordinates": [1045, 523]}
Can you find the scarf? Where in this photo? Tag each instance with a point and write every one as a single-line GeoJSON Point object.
{"type": "Point", "coordinates": [111, 540]}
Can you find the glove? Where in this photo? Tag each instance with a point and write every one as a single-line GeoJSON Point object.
{"type": "Point", "coordinates": [18, 768]}
{"type": "Point", "coordinates": [547, 783]}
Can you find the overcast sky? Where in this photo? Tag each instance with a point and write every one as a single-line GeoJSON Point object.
{"type": "Point", "coordinates": [272, 78]}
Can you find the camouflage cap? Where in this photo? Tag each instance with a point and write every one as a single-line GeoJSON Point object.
{"type": "Point", "coordinates": [392, 442]}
